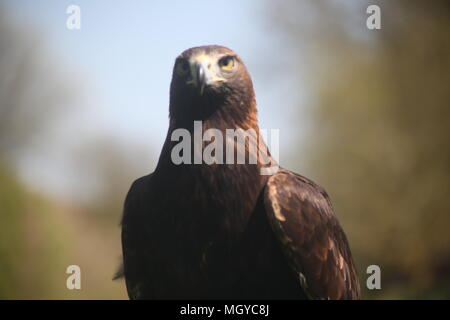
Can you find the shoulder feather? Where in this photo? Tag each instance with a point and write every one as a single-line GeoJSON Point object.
{"type": "Point", "coordinates": [314, 243]}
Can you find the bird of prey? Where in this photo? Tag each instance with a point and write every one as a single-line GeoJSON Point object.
{"type": "Point", "coordinates": [224, 230]}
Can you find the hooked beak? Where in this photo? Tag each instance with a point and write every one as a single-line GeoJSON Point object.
{"type": "Point", "coordinates": [204, 73]}
{"type": "Point", "coordinates": [201, 74]}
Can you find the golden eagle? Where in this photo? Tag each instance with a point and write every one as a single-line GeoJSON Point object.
{"type": "Point", "coordinates": [224, 230]}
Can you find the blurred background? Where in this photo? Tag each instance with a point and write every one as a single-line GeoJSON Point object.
{"type": "Point", "coordinates": [364, 113]}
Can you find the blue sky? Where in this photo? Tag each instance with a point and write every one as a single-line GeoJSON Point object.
{"type": "Point", "coordinates": [122, 59]}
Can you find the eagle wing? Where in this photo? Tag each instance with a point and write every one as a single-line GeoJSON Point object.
{"type": "Point", "coordinates": [312, 240]}
{"type": "Point", "coordinates": [135, 248]}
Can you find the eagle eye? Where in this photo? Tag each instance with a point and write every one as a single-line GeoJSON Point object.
{"type": "Point", "coordinates": [182, 67]}
{"type": "Point", "coordinates": [226, 63]}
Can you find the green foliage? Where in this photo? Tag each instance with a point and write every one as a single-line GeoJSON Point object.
{"type": "Point", "coordinates": [12, 231]}
{"type": "Point", "coordinates": [40, 238]}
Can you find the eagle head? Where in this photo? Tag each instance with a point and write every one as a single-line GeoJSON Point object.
{"type": "Point", "coordinates": [207, 80]}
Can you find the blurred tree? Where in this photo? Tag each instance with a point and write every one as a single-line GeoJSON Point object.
{"type": "Point", "coordinates": [30, 90]}
{"type": "Point", "coordinates": [378, 105]}
{"type": "Point", "coordinates": [29, 247]}
{"type": "Point", "coordinates": [39, 236]}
